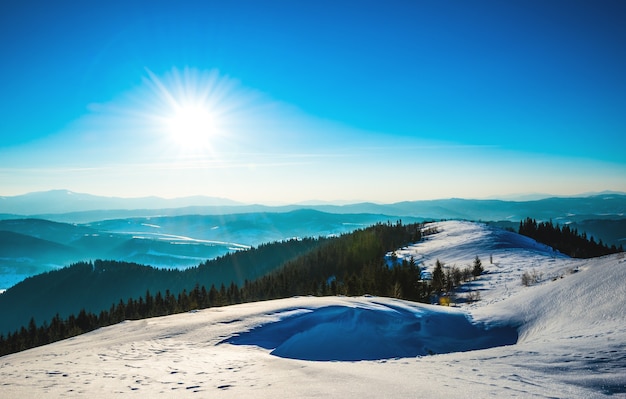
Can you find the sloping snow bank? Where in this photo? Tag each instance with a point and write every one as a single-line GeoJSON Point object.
{"type": "Point", "coordinates": [374, 329]}
{"type": "Point", "coordinates": [588, 298]}
{"type": "Point", "coordinates": [573, 326]}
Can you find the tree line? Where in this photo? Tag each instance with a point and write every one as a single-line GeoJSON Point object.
{"type": "Point", "coordinates": [565, 239]}
{"type": "Point", "coordinates": [95, 285]}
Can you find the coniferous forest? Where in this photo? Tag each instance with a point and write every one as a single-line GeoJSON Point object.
{"type": "Point", "coordinates": [565, 239]}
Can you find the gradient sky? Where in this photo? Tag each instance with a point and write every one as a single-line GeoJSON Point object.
{"type": "Point", "coordinates": [313, 100]}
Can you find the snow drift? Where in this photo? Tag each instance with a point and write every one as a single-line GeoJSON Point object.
{"type": "Point", "coordinates": [372, 330]}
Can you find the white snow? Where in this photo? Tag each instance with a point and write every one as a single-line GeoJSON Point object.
{"type": "Point", "coordinates": [571, 327]}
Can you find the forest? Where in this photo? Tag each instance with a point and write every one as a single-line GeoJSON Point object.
{"type": "Point", "coordinates": [351, 264]}
{"type": "Point", "coordinates": [95, 285]}
{"type": "Point", "coordinates": [565, 239]}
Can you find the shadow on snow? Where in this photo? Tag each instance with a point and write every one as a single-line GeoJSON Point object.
{"type": "Point", "coordinates": [342, 333]}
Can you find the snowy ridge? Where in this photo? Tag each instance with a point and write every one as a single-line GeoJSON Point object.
{"type": "Point", "coordinates": [570, 330]}
{"type": "Point", "coordinates": [505, 256]}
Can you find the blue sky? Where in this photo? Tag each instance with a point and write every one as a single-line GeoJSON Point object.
{"type": "Point", "coordinates": [328, 100]}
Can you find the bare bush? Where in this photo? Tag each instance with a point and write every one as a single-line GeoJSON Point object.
{"type": "Point", "coordinates": [531, 278]}
{"type": "Point", "coordinates": [473, 296]}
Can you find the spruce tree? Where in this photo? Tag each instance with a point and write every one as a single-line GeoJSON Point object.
{"type": "Point", "coordinates": [478, 267]}
{"type": "Point", "coordinates": [438, 281]}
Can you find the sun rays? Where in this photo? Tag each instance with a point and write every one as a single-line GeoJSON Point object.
{"type": "Point", "coordinates": [190, 111]}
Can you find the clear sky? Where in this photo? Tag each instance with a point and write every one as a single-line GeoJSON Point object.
{"type": "Point", "coordinates": [286, 101]}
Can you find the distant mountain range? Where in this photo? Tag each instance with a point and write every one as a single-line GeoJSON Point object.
{"type": "Point", "coordinates": [66, 206]}
{"type": "Point", "coordinates": [65, 201]}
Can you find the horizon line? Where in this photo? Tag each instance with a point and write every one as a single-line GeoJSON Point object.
{"type": "Point", "coordinates": [521, 197]}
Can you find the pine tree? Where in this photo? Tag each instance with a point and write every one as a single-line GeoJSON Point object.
{"type": "Point", "coordinates": [438, 281]}
{"type": "Point", "coordinates": [478, 267]}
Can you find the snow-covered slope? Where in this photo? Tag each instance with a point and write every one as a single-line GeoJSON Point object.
{"type": "Point", "coordinates": [570, 330]}
{"type": "Point", "coordinates": [504, 255]}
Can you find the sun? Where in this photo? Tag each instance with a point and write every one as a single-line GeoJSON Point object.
{"type": "Point", "coordinates": [190, 111]}
{"type": "Point", "coordinates": [191, 126]}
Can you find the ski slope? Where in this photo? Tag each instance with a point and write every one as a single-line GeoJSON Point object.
{"type": "Point", "coordinates": [564, 337]}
